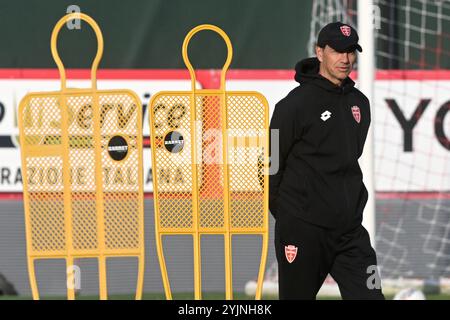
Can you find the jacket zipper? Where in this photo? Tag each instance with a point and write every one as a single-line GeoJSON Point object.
{"type": "Point", "coordinates": [348, 149]}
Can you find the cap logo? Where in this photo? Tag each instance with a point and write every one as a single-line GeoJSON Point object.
{"type": "Point", "coordinates": [346, 31]}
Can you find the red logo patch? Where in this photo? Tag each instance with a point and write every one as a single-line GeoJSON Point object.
{"type": "Point", "coordinates": [356, 113]}
{"type": "Point", "coordinates": [290, 252]}
{"type": "Point", "coordinates": [346, 31]}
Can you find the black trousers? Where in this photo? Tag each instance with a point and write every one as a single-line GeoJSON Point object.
{"type": "Point", "coordinates": [307, 253]}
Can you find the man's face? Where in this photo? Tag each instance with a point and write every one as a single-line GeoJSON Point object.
{"type": "Point", "coordinates": [336, 65]}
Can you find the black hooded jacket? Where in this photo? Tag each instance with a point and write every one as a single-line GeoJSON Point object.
{"type": "Point", "coordinates": [322, 130]}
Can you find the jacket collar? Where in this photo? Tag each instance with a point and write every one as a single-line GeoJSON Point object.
{"type": "Point", "coordinates": [307, 71]}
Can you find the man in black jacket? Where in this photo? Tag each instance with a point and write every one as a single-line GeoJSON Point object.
{"type": "Point", "coordinates": [317, 196]}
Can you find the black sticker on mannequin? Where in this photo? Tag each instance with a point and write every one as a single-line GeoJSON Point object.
{"type": "Point", "coordinates": [173, 142]}
{"type": "Point", "coordinates": [118, 148]}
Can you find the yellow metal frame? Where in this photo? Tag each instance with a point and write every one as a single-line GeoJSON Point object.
{"type": "Point", "coordinates": [103, 225]}
{"type": "Point", "coordinates": [229, 228]}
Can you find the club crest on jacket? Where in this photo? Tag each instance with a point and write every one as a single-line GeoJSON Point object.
{"type": "Point", "coordinates": [291, 253]}
{"type": "Point", "coordinates": [356, 114]}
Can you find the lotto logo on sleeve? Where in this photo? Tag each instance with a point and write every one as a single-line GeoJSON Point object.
{"type": "Point", "coordinates": [290, 252]}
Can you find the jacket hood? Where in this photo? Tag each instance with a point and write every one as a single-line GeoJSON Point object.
{"type": "Point", "coordinates": [307, 71]}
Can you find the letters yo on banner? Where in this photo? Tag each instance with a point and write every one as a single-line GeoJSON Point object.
{"type": "Point", "coordinates": [210, 165]}
{"type": "Point", "coordinates": [82, 172]}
